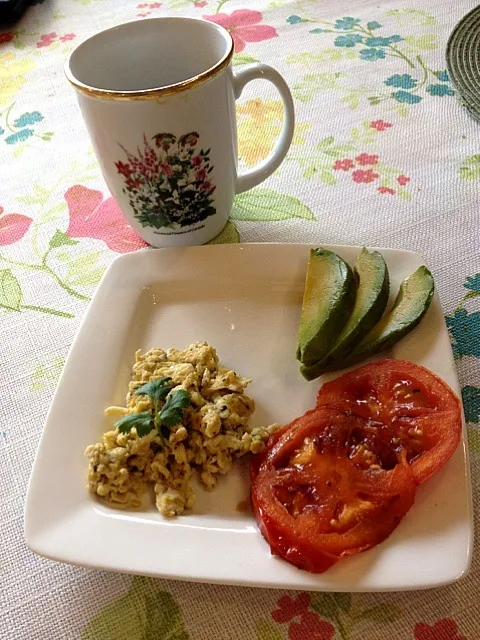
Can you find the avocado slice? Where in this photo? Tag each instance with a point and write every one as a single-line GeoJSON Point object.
{"type": "Point", "coordinates": [411, 304]}
{"type": "Point", "coordinates": [373, 285]}
{"type": "Point", "coordinates": [328, 299]}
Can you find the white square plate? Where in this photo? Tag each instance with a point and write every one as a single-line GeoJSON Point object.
{"type": "Point", "coordinates": [245, 300]}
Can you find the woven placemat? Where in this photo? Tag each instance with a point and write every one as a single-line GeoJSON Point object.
{"type": "Point", "coordinates": [463, 61]}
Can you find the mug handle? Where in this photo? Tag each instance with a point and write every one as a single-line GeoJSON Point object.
{"type": "Point", "coordinates": [260, 71]}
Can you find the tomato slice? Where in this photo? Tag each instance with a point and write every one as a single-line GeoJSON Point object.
{"type": "Point", "coordinates": [314, 504]}
{"type": "Point", "coordinates": [405, 408]}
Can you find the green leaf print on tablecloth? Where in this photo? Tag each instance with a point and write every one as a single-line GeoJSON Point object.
{"type": "Point", "coordinates": [314, 83]}
{"type": "Point", "coordinates": [267, 205]}
{"type": "Point", "coordinates": [473, 439]}
{"type": "Point", "coordinates": [266, 630]}
{"type": "Point", "coordinates": [60, 239]}
{"type": "Point", "coordinates": [82, 270]}
{"type": "Point", "coordinates": [11, 297]}
{"type": "Point", "coordinates": [470, 169]}
{"type": "Point", "coordinates": [426, 42]}
{"type": "Point", "coordinates": [228, 235]}
{"type": "Point", "coordinates": [144, 613]}
{"type": "Point", "coordinates": [331, 605]}
{"type": "Point", "coordinates": [243, 58]}
{"type": "Point", "coordinates": [47, 373]}
{"type": "Point", "coordinates": [417, 17]}
{"type": "Point", "coordinates": [382, 613]}
{"type": "Point", "coordinates": [10, 291]}
{"type": "Point", "coordinates": [332, 55]}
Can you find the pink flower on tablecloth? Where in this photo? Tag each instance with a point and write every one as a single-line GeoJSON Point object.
{"type": "Point", "coordinates": [93, 217]}
{"type": "Point", "coordinates": [67, 37]}
{"type": "Point", "coordinates": [243, 27]}
{"type": "Point", "coordinates": [445, 629]}
{"type": "Point", "coordinates": [13, 227]}
{"type": "Point", "coordinates": [380, 125]}
{"type": "Point", "coordinates": [311, 627]}
{"type": "Point", "coordinates": [364, 176]}
{"type": "Point", "coordinates": [6, 37]}
{"type": "Point", "coordinates": [149, 6]}
{"type": "Point", "coordinates": [386, 190]}
{"type": "Point", "coordinates": [403, 180]}
{"type": "Point", "coordinates": [364, 159]}
{"type": "Point", "coordinates": [343, 165]}
{"type": "Point", "coordinates": [289, 608]}
{"type": "Point", "coordinates": [200, 3]}
{"type": "Point", "coordinates": [46, 39]}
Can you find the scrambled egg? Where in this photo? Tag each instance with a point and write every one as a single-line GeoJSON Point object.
{"type": "Point", "coordinates": [214, 432]}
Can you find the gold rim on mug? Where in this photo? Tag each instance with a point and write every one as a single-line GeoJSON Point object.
{"type": "Point", "coordinates": [152, 94]}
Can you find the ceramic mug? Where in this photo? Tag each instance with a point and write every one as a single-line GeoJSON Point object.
{"type": "Point", "coordinates": [158, 99]}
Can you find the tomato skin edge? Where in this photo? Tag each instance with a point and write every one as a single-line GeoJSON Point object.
{"type": "Point", "coordinates": [298, 554]}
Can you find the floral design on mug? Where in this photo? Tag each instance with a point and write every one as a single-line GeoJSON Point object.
{"type": "Point", "coordinates": [168, 182]}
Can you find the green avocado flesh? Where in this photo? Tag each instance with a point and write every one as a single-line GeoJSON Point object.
{"type": "Point", "coordinates": [371, 274]}
{"type": "Point", "coordinates": [328, 300]}
{"type": "Point", "coordinates": [412, 302]}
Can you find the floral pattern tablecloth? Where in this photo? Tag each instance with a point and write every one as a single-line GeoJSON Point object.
{"type": "Point", "coordinates": [383, 155]}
